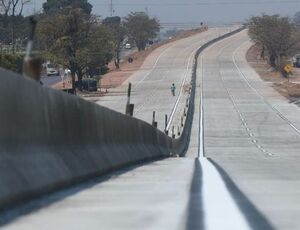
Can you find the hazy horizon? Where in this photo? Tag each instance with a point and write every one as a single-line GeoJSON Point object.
{"type": "Point", "coordinates": [176, 13]}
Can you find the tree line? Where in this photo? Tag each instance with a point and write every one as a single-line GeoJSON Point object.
{"type": "Point", "coordinates": [13, 26]}
{"type": "Point", "coordinates": [68, 33]}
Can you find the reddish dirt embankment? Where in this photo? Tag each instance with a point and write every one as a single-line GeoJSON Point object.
{"type": "Point", "coordinates": [117, 76]}
{"type": "Point", "coordinates": [289, 88]}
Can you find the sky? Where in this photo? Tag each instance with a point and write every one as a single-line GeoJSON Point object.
{"type": "Point", "coordinates": [172, 13]}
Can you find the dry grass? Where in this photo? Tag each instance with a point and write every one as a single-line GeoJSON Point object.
{"type": "Point", "coordinates": [116, 77]}
{"type": "Point", "coordinates": [286, 88]}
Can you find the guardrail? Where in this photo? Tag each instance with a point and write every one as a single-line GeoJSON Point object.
{"type": "Point", "coordinates": [181, 144]}
{"type": "Point", "coordinates": [50, 140]}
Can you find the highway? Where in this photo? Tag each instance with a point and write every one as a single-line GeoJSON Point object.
{"type": "Point", "coordinates": [241, 170]}
{"type": "Point", "coordinates": [171, 63]}
{"type": "Point", "coordinates": [251, 135]}
{"type": "Point", "coordinates": [50, 80]}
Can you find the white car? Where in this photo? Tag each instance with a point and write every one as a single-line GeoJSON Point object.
{"type": "Point", "coordinates": [128, 46]}
{"type": "Point", "coordinates": [67, 72]}
{"type": "Point", "coordinates": [51, 70]}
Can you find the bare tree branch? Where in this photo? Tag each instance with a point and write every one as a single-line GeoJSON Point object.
{"type": "Point", "coordinates": [13, 7]}
{"type": "Point", "coordinates": [23, 3]}
{"type": "Point", "coordinates": [5, 5]}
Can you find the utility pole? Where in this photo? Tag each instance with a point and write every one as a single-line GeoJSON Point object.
{"type": "Point", "coordinates": [111, 8]}
{"type": "Point", "coordinates": [34, 7]}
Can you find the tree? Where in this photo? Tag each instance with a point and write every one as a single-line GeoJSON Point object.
{"type": "Point", "coordinates": [277, 35]}
{"type": "Point", "coordinates": [141, 28]}
{"type": "Point", "coordinates": [297, 19]}
{"type": "Point", "coordinates": [12, 62]}
{"type": "Point", "coordinates": [14, 30]}
{"type": "Point", "coordinates": [13, 7]}
{"type": "Point", "coordinates": [13, 26]}
{"type": "Point", "coordinates": [5, 6]}
{"type": "Point", "coordinates": [116, 28]}
{"type": "Point", "coordinates": [75, 39]}
{"type": "Point", "coordinates": [51, 6]}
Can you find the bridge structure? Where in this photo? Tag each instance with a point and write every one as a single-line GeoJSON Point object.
{"type": "Point", "coordinates": [66, 163]}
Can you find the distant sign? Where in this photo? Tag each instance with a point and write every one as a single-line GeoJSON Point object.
{"type": "Point", "coordinates": [64, 85]}
{"type": "Point", "coordinates": [288, 68]}
{"type": "Point", "coordinates": [66, 81]}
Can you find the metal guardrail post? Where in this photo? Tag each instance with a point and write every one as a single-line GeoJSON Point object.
{"type": "Point", "coordinates": [154, 123]}
{"type": "Point", "coordinates": [129, 107]}
{"type": "Point", "coordinates": [166, 124]}
{"type": "Point", "coordinates": [178, 130]}
{"type": "Point", "coordinates": [173, 132]}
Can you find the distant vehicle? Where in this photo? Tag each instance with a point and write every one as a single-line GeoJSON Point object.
{"type": "Point", "coordinates": [89, 84]}
{"type": "Point", "coordinates": [127, 46]}
{"type": "Point", "coordinates": [67, 72]}
{"type": "Point", "coordinates": [296, 61]}
{"type": "Point", "coordinates": [51, 70]}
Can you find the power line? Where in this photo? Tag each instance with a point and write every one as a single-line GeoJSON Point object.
{"type": "Point", "coordinates": [111, 8]}
{"type": "Point", "coordinates": [254, 2]}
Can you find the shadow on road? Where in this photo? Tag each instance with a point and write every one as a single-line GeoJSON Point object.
{"type": "Point", "coordinates": [255, 219]}
{"type": "Point", "coordinates": [18, 211]}
{"type": "Point", "coordinates": [195, 214]}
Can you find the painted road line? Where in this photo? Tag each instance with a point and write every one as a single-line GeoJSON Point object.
{"type": "Point", "coordinates": [258, 93]}
{"type": "Point", "coordinates": [181, 90]}
{"type": "Point", "coordinates": [221, 211]}
{"type": "Point", "coordinates": [248, 130]}
{"type": "Point", "coordinates": [154, 66]}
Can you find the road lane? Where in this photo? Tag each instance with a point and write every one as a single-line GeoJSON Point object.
{"type": "Point", "coordinates": [238, 186]}
{"type": "Point", "coordinates": [249, 137]}
{"type": "Point", "coordinates": [171, 63]}
{"type": "Point", "coordinates": [152, 196]}
{"type": "Point", "coordinates": [50, 80]}
{"type": "Point", "coordinates": [160, 195]}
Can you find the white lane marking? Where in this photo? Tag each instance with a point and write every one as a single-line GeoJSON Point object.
{"type": "Point", "coordinates": [258, 93]}
{"type": "Point", "coordinates": [248, 130]}
{"type": "Point", "coordinates": [181, 89]}
{"type": "Point", "coordinates": [184, 80]}
{"type": "Point", "coordinates": [154, 66]}
{"type": "Point", "coordinates": [156, 62]}
{"type": "Point", "coordinates": [173, 112]}
{"type": "Point", "coordinates": [221, 211]}
{"type": "Point", "coordinates": [201, 153]}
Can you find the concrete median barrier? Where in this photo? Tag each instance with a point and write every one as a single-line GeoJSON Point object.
{"type": "Point", "coordinates": [181, 144]}
{"type": "Point", "coordinates": [49, 140]}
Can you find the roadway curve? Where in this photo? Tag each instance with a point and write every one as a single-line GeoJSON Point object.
{"type": "Point", "coordinates": [251, 135]}
{"type": "Point", "coordinates": [244, 175]}
{"type": "Point", "coordinates": [171, 63]}
{"type": "Point", "coordinates": [153, 196]}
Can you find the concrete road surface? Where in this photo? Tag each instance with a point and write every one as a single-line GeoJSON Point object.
{"type": "Point", "coordinates": [50, 80]}
{"type": "Point", "coordinates": [241, 170]}
{"type": "Point", "coordinates": [252, 136]}
{"type": "Point", "coordinates": [171, 63]}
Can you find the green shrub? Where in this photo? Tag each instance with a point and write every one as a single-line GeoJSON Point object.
{"type": "Point", "coordinates": [12, 62]}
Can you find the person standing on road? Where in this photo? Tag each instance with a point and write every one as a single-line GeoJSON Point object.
{"type": "Point", "coordinates": [173, 88]}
